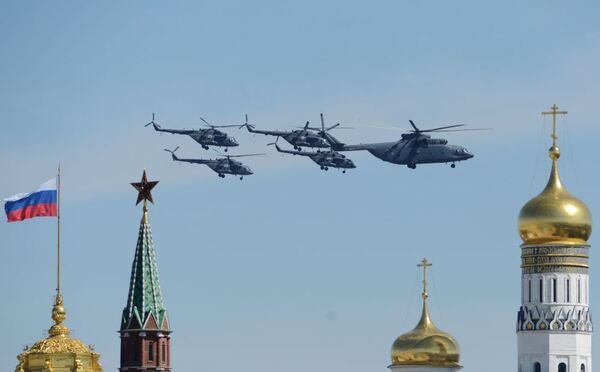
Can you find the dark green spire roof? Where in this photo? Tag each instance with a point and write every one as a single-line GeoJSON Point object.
{"type": "Point", "coordinates": [144, 300]}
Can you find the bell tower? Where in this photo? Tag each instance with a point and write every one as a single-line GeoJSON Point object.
{"type": "Point", "coordinates": [145, 330]}
{"type": "Point", "coordinates": [554, 325]}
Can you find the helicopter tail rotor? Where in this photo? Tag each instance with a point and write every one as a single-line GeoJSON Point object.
{"type": "Point", "coordinates": [152, 122]}
{"type": "Point", "coordinates": [173, 152]}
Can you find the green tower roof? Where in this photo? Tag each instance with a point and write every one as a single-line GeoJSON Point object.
{"type": "Point", "coordinates": [144, 308]}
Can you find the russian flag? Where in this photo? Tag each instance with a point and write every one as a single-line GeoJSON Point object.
{"type": "Point", "coordinates": [42, 202]}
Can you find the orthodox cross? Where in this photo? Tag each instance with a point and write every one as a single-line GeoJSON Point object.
{"type": "Point", "coordinates": [554, 111]}
{"type": "Point", "coordinates": [424, 264]}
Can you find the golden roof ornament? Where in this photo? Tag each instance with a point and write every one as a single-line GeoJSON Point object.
{"type": "Point", "coordinates": [59, 351]}
{"type": "Point", "coordinates": [425, 345]}
{"type": "Point", "coordinates": [555, 216]}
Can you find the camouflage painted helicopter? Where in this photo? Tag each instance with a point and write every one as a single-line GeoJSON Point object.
{"type": "Point", "coordinates": [209, 136]}
{"type": "Point", "coordinates": [222, 166]}
{"type": "Point", "coordinates": [325, 159]}
{"type": "Point", "coordinates": [304, 137]}
{"type": "Point", "coordinates": [414, 147]}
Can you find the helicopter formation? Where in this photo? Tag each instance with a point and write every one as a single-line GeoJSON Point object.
{"type": "Point", "coordinates": [415, 146]}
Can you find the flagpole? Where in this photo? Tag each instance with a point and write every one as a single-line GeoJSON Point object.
{"type": "Point", "coordinates": [58, 295]}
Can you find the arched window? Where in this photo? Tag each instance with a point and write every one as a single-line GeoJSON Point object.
{"type": "Point", "coordinates": [582, 367]}
{"type": "Point", "coordinates": [537, 367]}
{"type": "Point", "coordinates": [562, 367]}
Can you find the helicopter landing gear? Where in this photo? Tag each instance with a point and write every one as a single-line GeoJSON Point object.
{"type": "Point", "coordinates": [322, 167]}
{"type": "Point", "coordinates": [225, 149]}
{"type": "Point", "coordinates": [205, 147]}
{"type": "Point", "coordinates": [452, 165]}
{"type": "Point", "coordinates": [326, 168]}
{"type": "Point", "coordinates": [344, 171]}
{"type": "Point", "coordinates": [241, 177]}
{"type": "Point", "coordinates": [221, 175]}
{"type": "Point", "coordinates": [411, 165]}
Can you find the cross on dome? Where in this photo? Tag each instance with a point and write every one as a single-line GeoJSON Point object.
{"type": "Point", "coordinates": [424, 264]}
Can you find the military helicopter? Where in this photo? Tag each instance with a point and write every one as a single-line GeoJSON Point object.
{"type": "Point", "coordinates": [414, 147]}
{"type": "Point", "coordinates": [222, 166]}
{"type": "Point", "coordinates": [304, 137]}
{"type": "Point", "coordinates": [325, 158]}
{"type": "Point", "coordinates": [210, 136]}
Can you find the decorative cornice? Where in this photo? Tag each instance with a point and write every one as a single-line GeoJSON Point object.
{"type": "Point", "coordinates": [563, 318]}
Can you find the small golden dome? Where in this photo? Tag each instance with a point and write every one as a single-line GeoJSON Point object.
{"type": "Point", "coordinates": [555, 216]}
{"type": "Point", "coordinates": [59, 350]}
{"type": "Point", "coordinates": [426, 345]}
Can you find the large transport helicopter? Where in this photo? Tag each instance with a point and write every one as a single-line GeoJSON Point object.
{"type": "Point", "coordinates": [325, 159]}
{"type": "Point", "coordinates": [414, 147]}
{"type": "Point", "coordinates": [222, 166]}
{"type": "Point", "coordinates": [209, 136]}
{"type": "Point", "coordinates": [299, 138]}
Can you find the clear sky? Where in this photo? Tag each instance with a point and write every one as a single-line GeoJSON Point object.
{"type": "Point", "coordinates": [292, 269]}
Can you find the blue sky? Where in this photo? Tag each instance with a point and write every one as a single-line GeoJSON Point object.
{"type": "Point", "coordinates": [293, 268]}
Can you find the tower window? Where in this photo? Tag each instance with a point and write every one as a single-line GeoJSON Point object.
{"type": "Point", "coordinates": [568, 290]}
{"type": "Point", "coordinates": [541, 290]}
{"type": "Point", "coordinates": [554, 281]}
{"type": "Point", "coordinates": [164, 352]}
{"type": "Point", "coordinates": [150, 351]}
{"type": "Point", "coordinates": [529, 290]}
{"type": "Point", "coordinates": [582, 367]}
{"type": "Point", "coordinates": [562, 367]}
{"type": "Point", "coordinates": [537, 367]}
{"type": "Point", "coordinates": [579, 290]}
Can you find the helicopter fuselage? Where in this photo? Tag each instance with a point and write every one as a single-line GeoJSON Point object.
{"type": "Point", "coordinates": [229, 166]}
{"type": "Point", "coordinates": [413, 150]}
{"type": "Point", "coordinates": [213, 137]}
{"type": "Point", "coordinates": [332, 159]}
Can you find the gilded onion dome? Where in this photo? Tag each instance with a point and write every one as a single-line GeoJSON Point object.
{"type": "Point", "coordinates": [59, 351]}
{"type": "Point", "coordinates": [425, 344]}
{"type": "Point", "coordinates": [555, 216]}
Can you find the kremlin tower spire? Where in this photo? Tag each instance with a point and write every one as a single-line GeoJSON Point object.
{"type": "Point", "coordinates": [145, 331]}
{"type": "Point", "coordinates": [554, 325]}
{"type": "Point", "coordinates": [425, 348]}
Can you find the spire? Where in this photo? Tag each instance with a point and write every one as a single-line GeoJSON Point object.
{"type": "Point", "coordinates": [145, 297]}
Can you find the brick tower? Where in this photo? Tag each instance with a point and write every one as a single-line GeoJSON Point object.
{"type": "Point", "coordinates": [145, 331]}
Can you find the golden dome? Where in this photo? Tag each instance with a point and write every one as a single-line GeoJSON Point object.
{"type": "Point", "coordinates": [555, 216]}
{"type": "Point", "coordinates": [426, 345]}
{"type": "Point", "coordinates": [59, 350]}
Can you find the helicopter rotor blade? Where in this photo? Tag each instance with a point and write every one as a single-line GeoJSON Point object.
{"type": "Point", "coordinates": [322, 123]}
{"type": "Point", "coordinates": [440, 128]}
{"type": "Point", "coordinates": [464, 130]}
{"type": "Point", "coordinates": [206, 122]}
{"type": "Point", "coordinates": [244, 155]}
{"type": "Point", "coordinates": [413, 125]}
{"type": "Point", "coordinates": [331, 127]}
{"type": "Point", "coordinates": [172, 151]}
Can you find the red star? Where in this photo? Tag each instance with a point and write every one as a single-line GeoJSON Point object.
{"type": "Point", "coordinates": [144, 187]}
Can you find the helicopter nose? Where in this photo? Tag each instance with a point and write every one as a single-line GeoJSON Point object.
{"type": "Point", "coordinates": [468, 155]}
{"type": "Point", "coordinates": [351, 164]}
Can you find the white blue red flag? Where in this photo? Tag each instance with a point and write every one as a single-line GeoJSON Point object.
{"type": "Point", "coordinates": [42, 202]}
